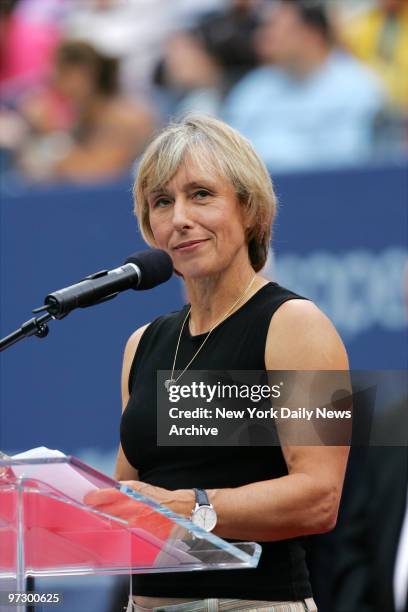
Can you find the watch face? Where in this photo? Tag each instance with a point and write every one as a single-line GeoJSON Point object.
{"type": "Point", "coordinates": [205, 517]}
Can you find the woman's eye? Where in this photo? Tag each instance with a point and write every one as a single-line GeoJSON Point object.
{"type": "Point", "coordinates": [161, 202]}
{"type": "Point", "coordinates": [201, 193]}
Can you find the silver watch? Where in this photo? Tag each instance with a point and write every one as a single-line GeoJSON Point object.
{"type": "Point", "coordinates": [203, 515]}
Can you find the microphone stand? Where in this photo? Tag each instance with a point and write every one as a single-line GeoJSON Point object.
{"type": "Point", "coordinates": [37, 326]}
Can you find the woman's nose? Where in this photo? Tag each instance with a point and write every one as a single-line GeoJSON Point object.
{"type": "Point", "coordinates": [181, 214]}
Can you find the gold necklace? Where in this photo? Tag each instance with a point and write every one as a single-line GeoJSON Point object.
{"type": "Point", "coordinates": [171, 381]}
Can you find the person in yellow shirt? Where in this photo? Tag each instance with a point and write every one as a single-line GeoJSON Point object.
{"type": "Point", "coordinates": [379, 37]}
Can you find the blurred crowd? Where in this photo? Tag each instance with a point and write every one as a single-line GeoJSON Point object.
{"type": "Point", "coordinates": [84, 84]}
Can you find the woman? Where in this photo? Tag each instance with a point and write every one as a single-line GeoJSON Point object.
{"type": "Point", "coordinates": [204, 196]}
{"type": "Point", "coordinates": [83, 128]}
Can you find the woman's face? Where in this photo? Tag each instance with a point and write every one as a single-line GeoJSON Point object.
{"type": "Point", "coordinates": [198, 220]}
{"type": "Point", "coordinates": [77, 83]}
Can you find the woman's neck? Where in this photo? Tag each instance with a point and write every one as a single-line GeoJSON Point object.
{"type": "Point", "coordinates": [213, 297]}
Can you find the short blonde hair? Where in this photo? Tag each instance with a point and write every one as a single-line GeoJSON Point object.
{"type": "Point", "coordinates": [212, 144]}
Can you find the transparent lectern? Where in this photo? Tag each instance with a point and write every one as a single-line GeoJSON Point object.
{"type": "Point", "coordinates": [46, 529]}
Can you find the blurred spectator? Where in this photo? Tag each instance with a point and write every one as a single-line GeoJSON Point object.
{"type": "Point", "coordinates": [132, 30]}
{"type": "Point", "coordinates": [27, 45]}
{"type": "Point", "coordinates": [229, 33]}
{"type": "Point", "coordinates": [107, 132]}
{"type": "Point", "coordinates": [201, 63]}
{"type": "Point", "coordinates": [379, 37]}
{"type": "Point", "coordinates": [310, 104]}
{"type": "Point", "coordinates": [189, 77]}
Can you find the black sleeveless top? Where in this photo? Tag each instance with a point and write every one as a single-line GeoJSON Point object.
{"type": "Point", "coordinates": [238, 343]}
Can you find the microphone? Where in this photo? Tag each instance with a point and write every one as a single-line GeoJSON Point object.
{"type": "Point", "coordinates": [143, 270]}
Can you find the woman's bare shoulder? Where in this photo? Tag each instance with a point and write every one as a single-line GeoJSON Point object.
{"type": "Point", "coordinates": [302, 337]}
{"type": "Point", "coordinates": [129, 353]}
{"type": "Point", "coordinates": [134, 339]}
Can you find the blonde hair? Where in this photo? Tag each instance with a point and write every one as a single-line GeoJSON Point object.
{"type": "Point", "coordinates": [214, 145]}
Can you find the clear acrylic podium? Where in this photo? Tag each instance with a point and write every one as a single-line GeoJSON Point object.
{"type": "Point", "coordinates": [46, 529]}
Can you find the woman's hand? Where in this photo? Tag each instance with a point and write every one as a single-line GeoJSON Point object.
{"type": "Point", "coordinates": [180, 501]}
{"type": "Point", "coordinates": [114, 502]}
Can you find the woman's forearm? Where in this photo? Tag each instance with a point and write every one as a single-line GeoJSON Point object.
{"type": "Point", "coordinates": [281, 508]}
{"type": "Point", "coordinates": [277, 509]}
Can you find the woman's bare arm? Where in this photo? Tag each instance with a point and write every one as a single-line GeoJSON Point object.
{"type": "Point", "coordinates": [123, 469]}
{"type": "Point", "coordinates": [305, 501]}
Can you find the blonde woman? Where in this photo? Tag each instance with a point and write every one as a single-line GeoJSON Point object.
{"type": "Point", "coordinates": [203, 195]}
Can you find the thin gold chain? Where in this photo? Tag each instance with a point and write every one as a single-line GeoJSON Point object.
{"type": "Point", "coordinates": [224, 316]}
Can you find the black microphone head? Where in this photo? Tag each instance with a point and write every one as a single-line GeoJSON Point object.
{"type": "Point", "coordinates": [155, 265]}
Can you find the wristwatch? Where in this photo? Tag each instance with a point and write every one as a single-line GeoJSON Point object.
{"type": "Point", "coordinates": [203, 515]}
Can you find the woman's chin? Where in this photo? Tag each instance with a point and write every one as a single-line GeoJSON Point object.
{"type": "Point", "coordinates": [195, 273]}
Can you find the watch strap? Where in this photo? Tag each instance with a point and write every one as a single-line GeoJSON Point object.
{"type": "Point", "coordinates": [201, 497]}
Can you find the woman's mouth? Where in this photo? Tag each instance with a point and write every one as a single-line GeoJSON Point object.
{"type": "Point", "coordinates": [189, 245]}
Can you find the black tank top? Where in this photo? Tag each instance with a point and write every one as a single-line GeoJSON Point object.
{"type": "Point", "coordinates": [238, 343]}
